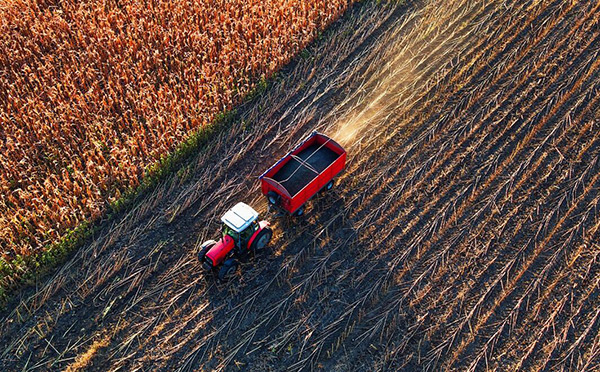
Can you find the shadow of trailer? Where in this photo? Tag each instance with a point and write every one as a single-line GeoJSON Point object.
{"type": "Point", "coordinates": [309, 168]}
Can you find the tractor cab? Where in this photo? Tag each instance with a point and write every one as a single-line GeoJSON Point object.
{"type": "Point", "coordinates": [240, 223]}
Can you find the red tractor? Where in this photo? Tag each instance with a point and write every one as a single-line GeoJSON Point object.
{"type": "Point", "coordinates": [241, 233]}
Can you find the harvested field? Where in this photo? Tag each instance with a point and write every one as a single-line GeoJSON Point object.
{"type": "Point", "coordinates": [463, 234]}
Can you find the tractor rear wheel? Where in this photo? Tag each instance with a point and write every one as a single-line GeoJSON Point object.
{"type": "Point", "coordinates": [204, 248]}
{"type": "Point", "coordinates": [228, 270]}
{"type": "Point", "coordinates": [262, 239]}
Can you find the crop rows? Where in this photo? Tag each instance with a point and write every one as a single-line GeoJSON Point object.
{"type": "Point", "coordinates": [461, 236]}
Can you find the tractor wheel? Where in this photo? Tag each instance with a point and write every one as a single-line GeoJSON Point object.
{"type": "Point", "coordinates": [273, 197]}
{"type": "Point", "coordinates": [204, 248]}
{"type": "Point", "coordinates": [228, 270]}
{"type": "Point", "coordinates": [299, 212]}
{"type": "Point", "coordinates": [262, 239]}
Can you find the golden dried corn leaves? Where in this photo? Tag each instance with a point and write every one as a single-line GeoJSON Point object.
{"type": "Point", "coordinates": [92, 92]}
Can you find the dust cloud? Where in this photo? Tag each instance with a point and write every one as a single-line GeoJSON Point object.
{"type": "Point", "coordinates": [407, 61]}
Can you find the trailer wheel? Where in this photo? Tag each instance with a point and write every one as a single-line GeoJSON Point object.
{"type": "Point", "coordinates": [262, 239]}
{"type": "Point", "coordinates": [273, 197]}
{"type": "Point", "coordinates": [299, 212]}
{"type": "Point", "coordinates": [327, 187]}
{"type": "Point", "coordinates": [204, 248]}
{"type": "Point", "coordinates": [228, 270]}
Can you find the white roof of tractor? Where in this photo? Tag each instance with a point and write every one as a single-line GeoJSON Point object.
{"type": "Point", "coordinates": [239, 217]}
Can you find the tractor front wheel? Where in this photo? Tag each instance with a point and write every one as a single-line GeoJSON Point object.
{"type": "Point", "coordinates": [262, 239]}
{"type": "Point", "coordinates": [204, 248]}
{"type": "Point", "coordinates": [228, 270]}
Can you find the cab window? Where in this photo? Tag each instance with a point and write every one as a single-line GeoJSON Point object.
{"type": "Point", "coordinates": [247, 233]}
{"type": "Point", "coordinates": [229, 231]}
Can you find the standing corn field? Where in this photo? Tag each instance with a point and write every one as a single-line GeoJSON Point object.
{"type": "Point", "coordinates": [92, 93]}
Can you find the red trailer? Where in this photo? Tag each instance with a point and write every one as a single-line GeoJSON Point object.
{"type": "Point", "coordinates": [309, 168]}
